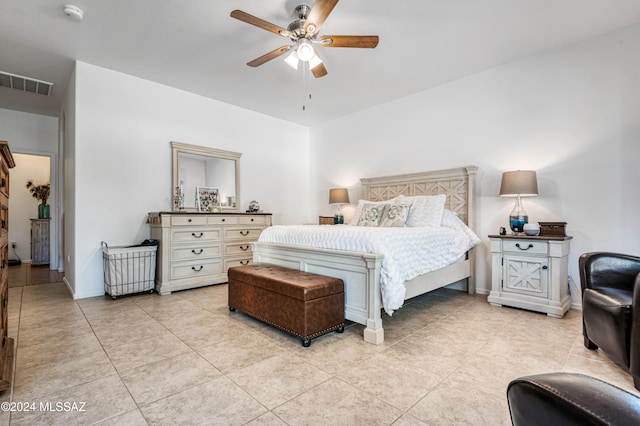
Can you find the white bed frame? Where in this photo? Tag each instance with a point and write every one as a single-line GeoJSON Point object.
{"type": "Point", "coordinates": [361, 271]}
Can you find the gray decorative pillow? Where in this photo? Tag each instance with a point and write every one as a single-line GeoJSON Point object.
{"type": "Point", "coordinates": [395, 215]}
{"type": "Point", "coordinates": [371, 215]}
{"type": "Point", "coordinates": [355, 220]}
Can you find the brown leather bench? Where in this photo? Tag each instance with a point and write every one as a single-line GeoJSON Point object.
{"type": "Point", "coordinates": [303, 304]}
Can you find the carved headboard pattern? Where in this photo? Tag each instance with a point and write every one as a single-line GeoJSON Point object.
{"type": "Point", "coordinates": [457, 184]}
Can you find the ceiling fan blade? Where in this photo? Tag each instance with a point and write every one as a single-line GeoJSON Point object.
{"type": "Point", "coordinates": [318, 14]}
{"type": "Point", "coordinates": [319, 71]}
{"type": "Point", "coordinates": [269, 56]}
{"type": "Point", "coordinates": [349, 41]}
{"type": "Point", "coordinates": [260, 23]}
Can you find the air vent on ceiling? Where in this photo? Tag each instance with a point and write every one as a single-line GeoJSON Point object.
{"type": "Point", "coordinates": [25, 84]}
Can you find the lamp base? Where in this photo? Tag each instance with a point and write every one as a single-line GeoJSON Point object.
{"type": "Point", "coordinates": [517, 223]}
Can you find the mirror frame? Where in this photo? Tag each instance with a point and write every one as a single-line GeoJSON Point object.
{"type": "Point", "coordinates": [178, 148]}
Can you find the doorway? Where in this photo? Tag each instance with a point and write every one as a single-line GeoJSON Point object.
{"type": "Point", "coordinates": [24, 213]}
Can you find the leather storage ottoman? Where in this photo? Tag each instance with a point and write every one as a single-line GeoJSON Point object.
{"type": "Point", "coordinates": [302, 304]}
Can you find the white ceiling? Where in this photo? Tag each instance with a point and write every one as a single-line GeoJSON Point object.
{"type": "Point", "coordinates": [196, 46]}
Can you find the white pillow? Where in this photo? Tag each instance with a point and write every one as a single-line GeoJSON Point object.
{"type": "Point", "coordinates": [395, 215]}
{"type": "Point", "coordinates": [426, 210]}
{"type": "Point", "coordinates": [372, 214]}
{"type": "Point", "coordinates": [361, 203]}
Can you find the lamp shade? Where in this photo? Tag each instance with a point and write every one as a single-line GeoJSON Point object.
{"type": "Point", "coordinates": [338, 196]}
{"type": "Point", "coordinates": [519, 182]}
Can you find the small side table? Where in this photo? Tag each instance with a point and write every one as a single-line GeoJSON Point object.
{"type": "Point", "coordinates": [530, 273]}
{"type": "Point", "coordinates": [40, 241]}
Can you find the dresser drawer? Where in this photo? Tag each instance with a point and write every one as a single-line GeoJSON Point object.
{"type": "Point", "coordinates": [244, 234]}
{"type": "Point", "coordinates": [253, 220]}
{"type": "Point", "coordinates": [188, 220]}
{"type": "Point", "coordinates": [237, 248]}
{"type": "Point", "coordinates": [193, 269]}
{"type": "Point", "coordinates": [525, 246]}
{"type": "Point", "coordinates": [196, 236]}
{"type": "Point", "coordinates": [222, 220]}
{"type": "Point", "coordinates": [196, 253]}
{"type": "Point", "coordinates": [238, 261]}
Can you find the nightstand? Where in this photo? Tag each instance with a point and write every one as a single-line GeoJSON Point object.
{"type": "Point", "coordinates": [530, 273]}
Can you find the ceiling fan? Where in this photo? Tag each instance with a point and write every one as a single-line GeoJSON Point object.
{"type": "Point", "coordinates": [303, 32]}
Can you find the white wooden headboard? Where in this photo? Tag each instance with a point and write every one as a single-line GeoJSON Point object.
{"type": "Point", "coordinates": [458, 184]}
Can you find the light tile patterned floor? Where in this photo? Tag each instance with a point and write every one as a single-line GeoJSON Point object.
{"type": "Point", "coordinates": [185, 359]}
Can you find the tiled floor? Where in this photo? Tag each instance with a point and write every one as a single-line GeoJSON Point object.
{"type": "Point", "coordinates": [185, 359]}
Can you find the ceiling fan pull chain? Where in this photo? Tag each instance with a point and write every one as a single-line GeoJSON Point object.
{"type": "Point", "coordinates": [305, 85]}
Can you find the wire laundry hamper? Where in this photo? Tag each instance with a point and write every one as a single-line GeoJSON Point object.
{"type": "Point", "coordinates": [129, 269]}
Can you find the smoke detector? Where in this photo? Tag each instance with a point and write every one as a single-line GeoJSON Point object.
{"type": "Point", "coordinates": [73, 12]}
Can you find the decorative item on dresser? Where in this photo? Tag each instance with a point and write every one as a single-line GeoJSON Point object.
{"type": "Point", "coordinates": [197, 249]}
{"type": "Point", "coordinates": [6, 351]}
{"type": "Point", "coordinates": [531, 273]}
{"type": "Point", "coordinates": [40, 241]}
{"type": "Point", "coordinates": [519, 183]}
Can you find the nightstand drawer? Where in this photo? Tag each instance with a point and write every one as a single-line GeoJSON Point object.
{"type": "Point", "coordinates": [525, 246]}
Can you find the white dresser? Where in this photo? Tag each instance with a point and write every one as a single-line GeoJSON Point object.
{"type": "Point", "coordinates": [196, 249]}
{"type": "Point", "coordinates": [530, 273]}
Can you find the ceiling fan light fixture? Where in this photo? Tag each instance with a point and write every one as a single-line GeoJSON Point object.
{"type": "Point", "coordinates": [292, 60]}
{"type": "Point", "coordinates": [314, 61]}
{"type": "Point", "coordinates": [305, 50]}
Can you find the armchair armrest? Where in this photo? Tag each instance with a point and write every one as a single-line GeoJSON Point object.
{"type": "Point", "coordinates": [634, 356]}
{"type": "Point", "coordinates": [604, 269]}
{"type": "Point", "coordinates": [570, 399]}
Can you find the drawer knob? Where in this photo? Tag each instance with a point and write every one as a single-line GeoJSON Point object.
{"type": "Point", "coordinates": [189, 220]}
{"type": "Point", "coordinates": [244, 248]}
{"type": "Point", "coordinates": [244, 262]}
{"type": "Point", "coordinates": [197, 253]}
{"type": "Point", "coordinates": [526, 248]}
{"type": "Point", "coordinates": [251, 219]}
{"type": "Point", "coordinates": [197, 270]}
{"type": "Point", "coordinates": [197, 236]}
{"type": "Point", "coordinates": [223, 219]}
{"type": "Point", "coordinates": [244, 233]}
{"type": "Point", "coordinates": [545, 267]}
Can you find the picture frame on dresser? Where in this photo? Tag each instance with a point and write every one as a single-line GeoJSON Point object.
{"type": "Point", "coordinates": [208, 198]}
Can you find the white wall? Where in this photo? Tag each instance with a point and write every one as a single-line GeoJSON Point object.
{"type": "Point", "coordinates": [68, 171]}
{"type": "Point", "coordinates": [122, 161]}
{"type": "Point", "coordinates": [571, 114]}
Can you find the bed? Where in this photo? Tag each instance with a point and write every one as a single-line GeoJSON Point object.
{"type": "Point", "coordinates": [361, 271]}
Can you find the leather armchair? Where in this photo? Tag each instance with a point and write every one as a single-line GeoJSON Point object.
{"type": "Point", "coordinates": [570, 399]}
{"type": "Point", "coordinates": [611, 307]}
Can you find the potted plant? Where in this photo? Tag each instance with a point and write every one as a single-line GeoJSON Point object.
{"type": "Point", "coordinates": [40, 193]}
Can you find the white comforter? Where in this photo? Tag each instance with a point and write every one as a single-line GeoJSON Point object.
{"type": "Point", "coordinates": [408, 252]}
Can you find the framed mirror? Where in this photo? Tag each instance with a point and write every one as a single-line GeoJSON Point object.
{"type": "Point", "coordinates": [198, 166]}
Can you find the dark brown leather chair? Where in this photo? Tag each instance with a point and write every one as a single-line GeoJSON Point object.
{"type": "Point", "coordinates": [570, 399]}
{"type": "Point", "coordinates": [611, 307]}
